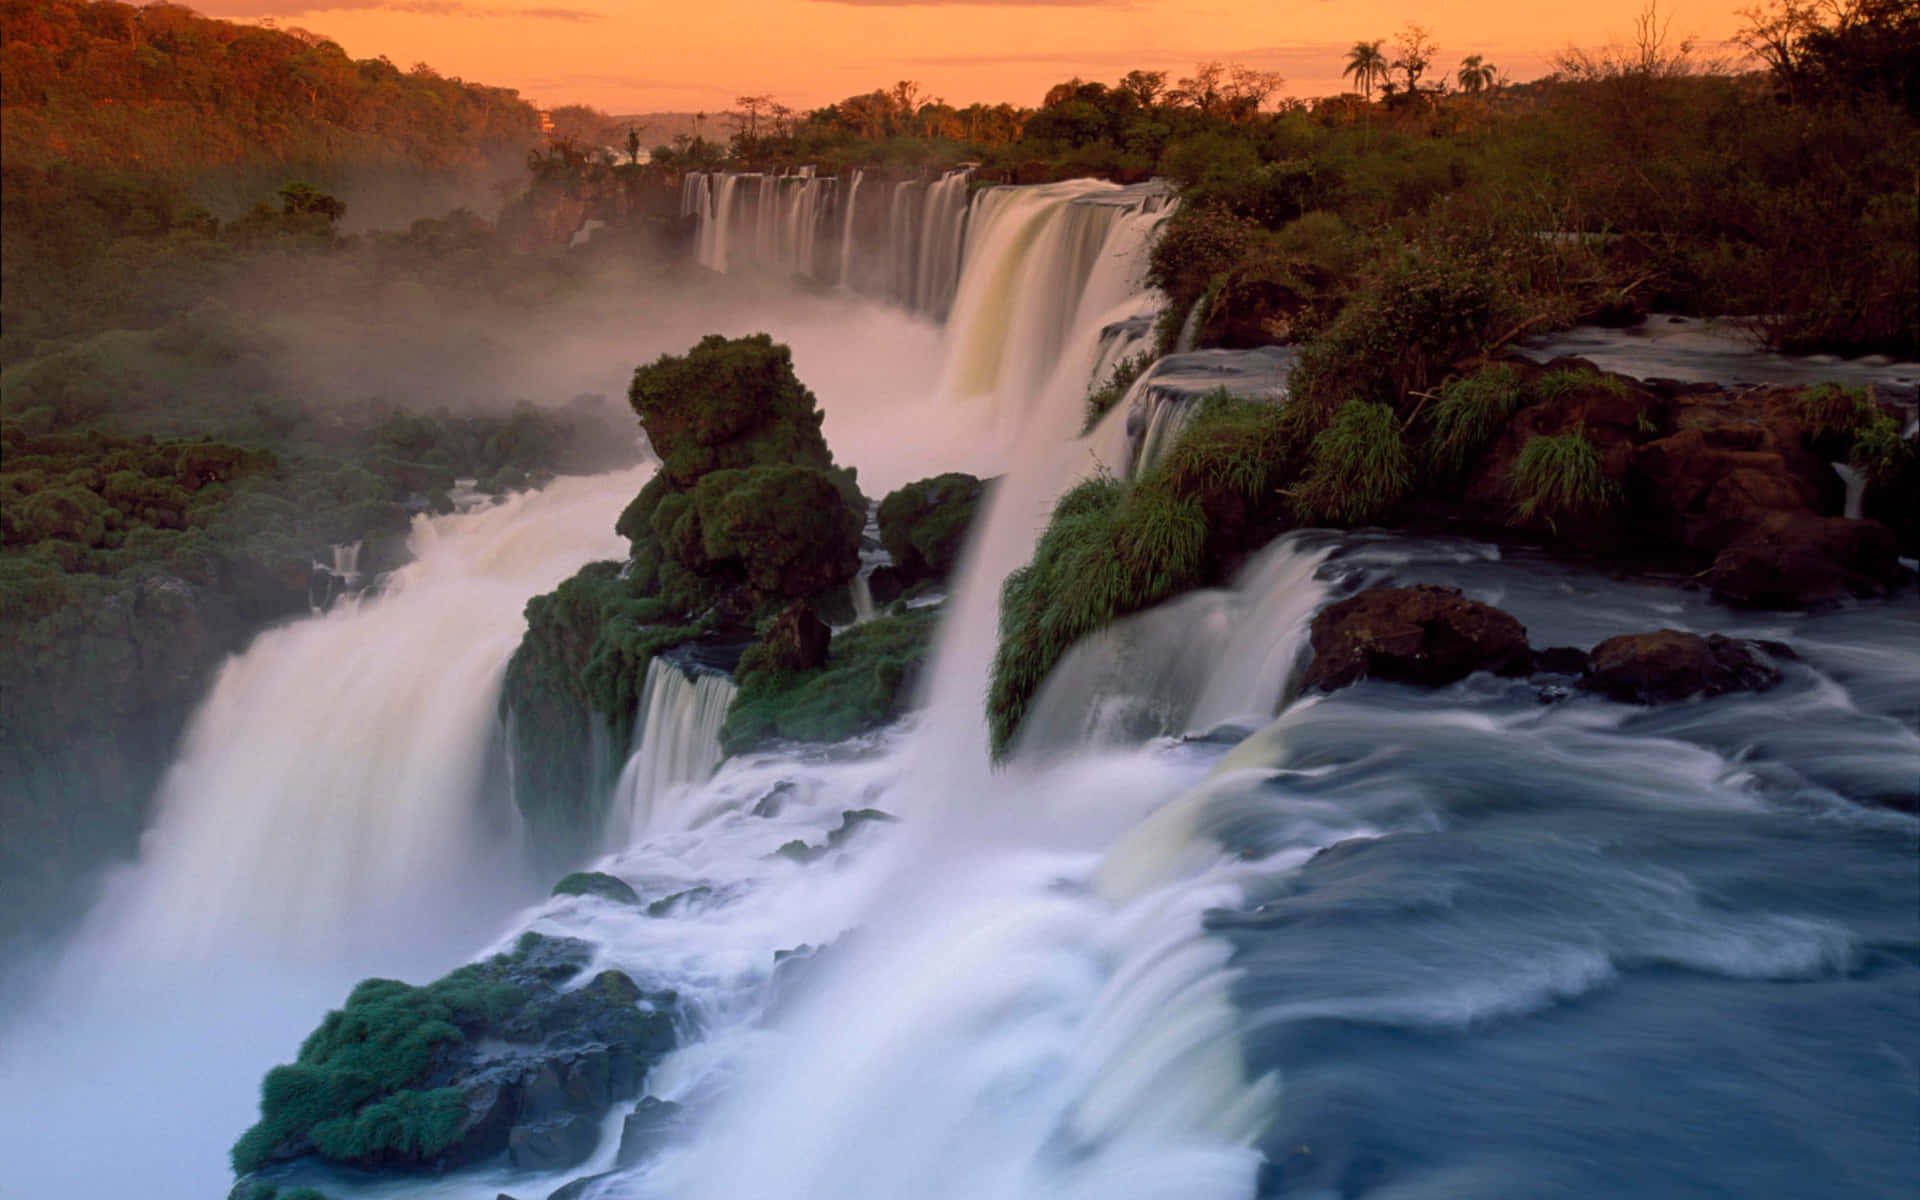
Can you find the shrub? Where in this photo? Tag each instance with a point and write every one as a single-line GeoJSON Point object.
{"type": "Point", "coordinates": [1879, 452]}
{"type": "Point", "coordinates": [1403, 332]}
{"type": "Point", "coordinates": [924, 524]}
{"type": "Point", "coordinates": [1559, 477]}
{"type": "Point", "coordinates": [1119, 382]}
{"type": "Point", "coordinates": [1357, 468]}
{"type": "Point", "coordinates": [1470, 414]}
{"type": "Point", "coordinates": [864, 684]}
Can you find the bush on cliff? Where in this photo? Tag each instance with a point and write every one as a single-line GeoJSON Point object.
{"type": "Point", "coordinates": [391, 1078]}
{"type": "Point", "coordinates": [866, 681]}
{"type": "Point", "coordinates": [1113, 548]}
{"type": "Point", "coordinates": [1357, 468]}
{"type": "Point", "coordinates": [924, 524]}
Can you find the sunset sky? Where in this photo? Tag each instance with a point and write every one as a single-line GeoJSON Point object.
{"type": "Point", "coordinates": [656, 55]}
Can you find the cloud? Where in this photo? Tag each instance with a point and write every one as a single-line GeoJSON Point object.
{"type": "Point", "coordinates": [244, 9]}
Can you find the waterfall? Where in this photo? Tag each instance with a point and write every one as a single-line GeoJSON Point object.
{"type": "Point", "coordinates": [1206, 659]}
{"type": "Point", "coordinates": [1041, 264]}
{"type": "Point", "coordinates": [328, 798]}
{"type": "Point", "coordinates": [677, 743]}
{"type": "Point", "coordinates": [902, 238]}
{"type": "Point", "coordinates": [846, 231]}
{"type": "Point", "coordinates": [774, 222]}
{"type": "Point", "coordinates": [942, 232]}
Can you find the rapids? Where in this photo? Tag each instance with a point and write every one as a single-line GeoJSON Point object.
{"type": "Point", "coordinates": [1198, 938]}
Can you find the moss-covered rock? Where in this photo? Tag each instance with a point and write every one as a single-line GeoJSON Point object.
{"type": "Point", "coordinates": [727, 403]}
{"type": "Point", "coordinates": [430, 1077]}
{"type": "Point", "coordinates": [924, 525]}
{"type": "Point", "coordinates": [785, 529]}
{"type": "Point", "coordinates": [597, 883]}
{"type": "Point", "coordinates": [867, 680]}
{"type": "Point", "coordinates": [746, 514]}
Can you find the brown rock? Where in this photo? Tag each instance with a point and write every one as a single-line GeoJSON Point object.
{"type": "Point", "coordinates": [1428, 635]}
{"type": "Point", "coordinates": [797, 641]}
{"type": "Point", "coordinates": [1800, 560]}
{"type": "Point", "coordinates": [1654, 668]}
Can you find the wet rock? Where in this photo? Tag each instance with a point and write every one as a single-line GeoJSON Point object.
{"type": "Point", "coordinates": [565, 1141]}
{"type": "Point", "coordinates": [885, 585]}
{"type": "Point", "coordinates": [924, 525]}
{"type": "Point", "coordinates": [578, 1188]}
{"type": "Point", "coordinates": [1800, 560]}
{"type": "Point", "coordinates": [535, 1062]}
{"type": "Point", "coordinates": [1427, 635]}
{"type": "Point", "coordinates": [652, 1123]}
{"type": "Point", "coordinates": [1667, 665]}
{"type": "Point", "coordinates": [597, 883]}
{"type": "Point", "coordinates": [797, 641]}
{"type": "Point", "coordinates": [1560, 660]}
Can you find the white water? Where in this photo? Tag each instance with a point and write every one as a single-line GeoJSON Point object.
{"type": "Point", "coordinates": [328, 819]}
{"type": "Point", "coordinates": [677, 743]}
{"type": "Point", "coordinates": [806, 224]}
{"type": "Point", "coordinates": [1038, 1003]}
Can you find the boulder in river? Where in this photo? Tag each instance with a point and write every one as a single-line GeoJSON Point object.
{"type": "Point", "coordinates": [1667, 665]}
{"type": "Point", "coordinates": [1426, 634]}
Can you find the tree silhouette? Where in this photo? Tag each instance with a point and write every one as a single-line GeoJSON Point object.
{"type": "Point", "coordinates": [1366, 62]}
{"type": "Point", "coordinates": [1475, 75]}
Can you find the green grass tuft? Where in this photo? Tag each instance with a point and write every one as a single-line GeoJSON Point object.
{"type": "Point", "coordinates": [1119, 381]}
{"type": "Point", "coordinates": [1471, 413]}
{"type": "Point", "coordinates": [1879, 452]}
{"type": "Point", "coordinates": [1559, 477]}
{"type": "Point", "coordinates": [1357, 468]}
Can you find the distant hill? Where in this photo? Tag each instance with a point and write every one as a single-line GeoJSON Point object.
{"type": "Point", "coordinates": [162, 89]}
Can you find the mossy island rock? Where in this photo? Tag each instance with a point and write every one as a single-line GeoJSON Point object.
{"type": "Point", "coordinates": [597, 883]}
{"type": "Point", "coordinates": [1426, 635]}
{"type": "Point", "coordinates": [746, 515]}
{"type": "Point", "coordinates": [1668, 665]}
{"type": "Point", "coordinates": [924, 525]}
{"type": "Point", "coordinates": [866, 681]}
{"type": "Point", "coordinates": [503, 1059]}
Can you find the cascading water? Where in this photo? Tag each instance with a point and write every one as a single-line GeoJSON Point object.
{"type": "Point", "coordinates": [1462, 942]}
{"type": "Point", "coordinates": [787, 223]}
{"type": "Point", "coordinates": [329, 794]}
{"type": "Point", "coordinates": [677, 744]}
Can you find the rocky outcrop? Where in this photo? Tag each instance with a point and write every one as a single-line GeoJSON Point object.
{"type": "Point", "coordinates": [796, 641]}
{"type": "Point", "coordinates": [924, 527]}
{"type": "Point", "coordinates": [510, 1058]}
{"type": "Point", "coordinates": [1426, 634]}
{"type": "Point", "coordinates": [1433, 636]}
{"type": "Point", "coordinates": [1734, 480]}
{"type": "Point", "coordinates": [1668, 665]}
{"type": "Point", "coordinates": [1795, 559]}
{"type": "Point", "coordinates": [597, 883]}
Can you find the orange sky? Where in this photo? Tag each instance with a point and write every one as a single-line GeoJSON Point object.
{"type": "Point", "coordinates": [657, 55]}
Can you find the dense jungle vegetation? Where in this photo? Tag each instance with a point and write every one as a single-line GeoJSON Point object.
{"type": "Point", "coordinates": [158, 88]}
{"type": "Point", "coordinates": [1641, 176]}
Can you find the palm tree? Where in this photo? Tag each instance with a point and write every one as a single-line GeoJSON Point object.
{"type": "Point", "coordinates": [1366, 62]}
{"type": "Point", "coordinates": [1475, 76]}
